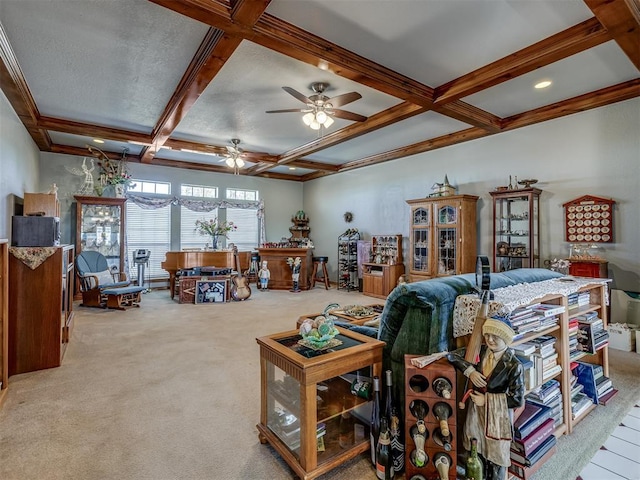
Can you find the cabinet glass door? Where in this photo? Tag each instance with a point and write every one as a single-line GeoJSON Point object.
{"type": "Point", "coordinates": [447, 238]}
{"type": "Point", "coordinates": [100, 231]}
{"type": "Point", "coordinates": [420, 231]}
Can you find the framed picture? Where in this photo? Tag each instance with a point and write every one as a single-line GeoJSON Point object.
{"type": "Point", "coordinates": [211, 291]}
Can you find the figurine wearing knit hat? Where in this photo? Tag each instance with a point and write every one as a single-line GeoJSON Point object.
{"type": "Point", "coordinates": [498, 388]}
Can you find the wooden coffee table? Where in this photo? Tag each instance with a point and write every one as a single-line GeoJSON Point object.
{"type": "Point", "coordinates": [344, 317]}
{"type": "Point", "coordinates": [306, 399]}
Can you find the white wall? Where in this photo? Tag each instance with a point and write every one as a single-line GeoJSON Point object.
{"type": "Point", "coordinates": [591, 153]}
{"type": "Point", "coordinates": [19, 157]}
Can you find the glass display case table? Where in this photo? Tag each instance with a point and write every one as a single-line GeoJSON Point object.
{"type": "Point", "coordinates": [306, 399]}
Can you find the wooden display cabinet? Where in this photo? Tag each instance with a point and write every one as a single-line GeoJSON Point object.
{"type": "Point", "coordinates": [100, 227]}
{"type": "Point", "coordinates": [419, 388]}
{"type": "Point", "coordinates": [307, 411]}
{"type": "Point", "coordinates": [380, 275]}
{"type": "Point", "coordinates": [442, 236]}
{"type": "Point", "coordinates": [40, 311]}
{"type": "Point", "coordinates": [516, 229]}
{"type": "Point", "coordinates": [4, 318]}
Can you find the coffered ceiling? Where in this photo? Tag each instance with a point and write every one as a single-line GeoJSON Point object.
{"type": "Point", "coordinates": [160, 77]}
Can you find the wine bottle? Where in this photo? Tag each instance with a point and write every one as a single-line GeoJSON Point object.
{"type": "Point", "coordinates": [419, 434]}
{"type": "Point", "coordinates": [384, 460]}
{"type": "Point", "coordinates": [374, 431]}
{"type": "Point", "coordinates": [361, 387]}
{"type": "Point", "coordinates": [391, 413]}
{"type": "Point", "coordinates": [474, 465]}
{"type": "Point", "coordinates": [442, 411]}
{"type": "Point", "coordinates": [443, 440]}
{"type": "Point", "coordinates": [442, 387]}
{"type": "Point", "coordinates": [442, 461]}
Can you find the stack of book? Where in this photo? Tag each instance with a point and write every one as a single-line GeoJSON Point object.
{"type": "Point", "coordinates": [578, 299]}
{"type": "Point", "coordinates": [580, 402]}
{"type": "Point", "coordinates": [549, 314]}
{"type": "Point", "coordinates": [574, 348]}
{"type": "Point", "coordinates": [591, 335]}
{"type": "Point", "coordinates": [545, 358]}
{"type": "Point", "coordinates": [596, 386]}
{"type": "Point", "coordinates": [524, 320]}
{"type": "Point", "coordinates": [549, 395]}
{"type": "Point", "coordinates": [534, 442]}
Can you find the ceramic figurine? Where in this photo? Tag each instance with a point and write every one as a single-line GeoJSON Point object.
{"type": "Point", "coordinates": [264, 275]}
{"type": "Point", "coordinates": [498, 382]}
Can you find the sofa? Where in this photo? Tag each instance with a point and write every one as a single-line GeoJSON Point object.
{"type": "Point", "coordinates": [418, 317]}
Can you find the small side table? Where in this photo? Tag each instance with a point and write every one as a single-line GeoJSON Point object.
{"type": "Point", "coordinates": [307, 411]}
{"type": "Point", "coordinates": [589, 268]}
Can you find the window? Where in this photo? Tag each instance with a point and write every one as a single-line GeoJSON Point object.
{"type": "Point", "coordinates": [151, 230]}
{"type": "Point", "coordinates": [235, 194]}
{"type": "Point", "coordinates": [246, 236]}
{"type": "Point", "coordinates": [189, 238]}
{"type": "Point", "coordinates": [198, 191]}
{"type": "Point", "coordinates": [146, 186]}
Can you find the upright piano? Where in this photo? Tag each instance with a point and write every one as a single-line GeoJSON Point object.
{"type": "Point", "coordinates": [175, 261]}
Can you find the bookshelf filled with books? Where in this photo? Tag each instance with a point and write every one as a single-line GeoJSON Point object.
{"type": "Point", "coordinates": [554, 335]}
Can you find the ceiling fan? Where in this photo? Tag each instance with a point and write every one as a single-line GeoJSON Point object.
{"type": "Point", "coordinates": [233, 156]}
{"type": "Point", "coordinates": [320, 109]}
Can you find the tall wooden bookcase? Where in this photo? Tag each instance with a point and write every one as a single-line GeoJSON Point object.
{"type": "Point", "coordinates": [442, 236]}
{"type": "Point", "coordinates": [4, 318]}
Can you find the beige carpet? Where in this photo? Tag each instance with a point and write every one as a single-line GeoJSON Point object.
{"type": "Point", "coordinates": [163, 392]}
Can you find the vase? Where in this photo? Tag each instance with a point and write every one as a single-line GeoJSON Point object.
{"type": "Point", "coordinates": [214, 242]}
{"type": "Point", "coordinates": [119, 190]}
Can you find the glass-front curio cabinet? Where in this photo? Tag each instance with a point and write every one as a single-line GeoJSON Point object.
{"type": "Point", "coordinates": [442, 236]}
{"type": "Point", "coordinates": [100, 223]}
{"type": "Point", "coordinates": [516, 229]}
{"type": "Point", "coordinates": [309, 413]}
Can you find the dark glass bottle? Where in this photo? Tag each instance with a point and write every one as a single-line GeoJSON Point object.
{"type": "Point", "coordinates": [384, 460]}
{"type": "Point", "coordinates": [443, 440]}
{"type": "Point", "coordinates": [442, 387]}
{"type": "Point", "coordinates": [374, 431]}
{"type": "Point", "coordinates": [442, 462]}
{"type": "Point", "coordinates": [442, 411]}
{"type": "Point", "coordinates": [395, 433]}
{"type": "Point", "coordinates": [474, 465]}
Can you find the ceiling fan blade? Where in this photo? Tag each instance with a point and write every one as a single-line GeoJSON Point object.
{"type": "Point", "coordinates": [343, 99]}
{"type": "Point", "coordinates": [288, 110]}
{"type": "Point", "coordinates": [348, 115]}
{"type": "Point", "coordinates": [296, 94]}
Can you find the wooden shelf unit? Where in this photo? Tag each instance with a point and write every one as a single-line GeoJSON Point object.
{"type": "Point", "coordinates": [41, 202]}
{"type": "Point", "coordinates": [4, 318]}
{"type": "Point", "coordinates": [378, 279]}
{"type": "Point", "coordinates": [561, 332]}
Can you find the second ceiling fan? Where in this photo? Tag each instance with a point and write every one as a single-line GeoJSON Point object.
{"type": "Point", "coordinates": [320, 108]}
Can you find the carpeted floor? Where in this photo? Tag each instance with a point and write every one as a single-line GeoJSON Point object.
{"type": "Point", "coordinates": [171, 391]}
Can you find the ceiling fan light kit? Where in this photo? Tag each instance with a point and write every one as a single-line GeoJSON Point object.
{"type": "Point", "coordinates": [233, 156]}
{"type": "Point", "coordinates": [321, 109]}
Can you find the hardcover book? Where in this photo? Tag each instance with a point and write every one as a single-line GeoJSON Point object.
{"type": "Point", "coordinates": [527, 445]}
{"type": "Point", "coordinates": [531, 418]}
{"type": "Point", "coordinates": [526, 473]}
{"type": "Point", "coordinates": [536, 455]}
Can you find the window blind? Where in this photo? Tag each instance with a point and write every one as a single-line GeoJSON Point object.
{"type": "Point", "coordinates": [151, 230]}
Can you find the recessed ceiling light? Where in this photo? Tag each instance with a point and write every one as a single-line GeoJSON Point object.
{"type": "Point", "coordinates": [543, 84]}
{"type": "Point", "coordinates": [292, 168]}
{"type": "Point", "coordinates": [97, 140]}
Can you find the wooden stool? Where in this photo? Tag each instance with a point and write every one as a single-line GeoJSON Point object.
{"type": "Point", "coordinates": [324, 277]}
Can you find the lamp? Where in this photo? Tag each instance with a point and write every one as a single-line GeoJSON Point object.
{"type": "Point", "coordinates": [233, 156]}
{"type": "Point", "coordinates": [318, 118]}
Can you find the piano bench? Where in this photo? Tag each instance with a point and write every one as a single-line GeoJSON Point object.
{"type": "Point", "coordinates": [121, 298]}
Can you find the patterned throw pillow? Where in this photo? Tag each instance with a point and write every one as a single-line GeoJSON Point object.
{"type": "Point", "coordinates": [104, 278]}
